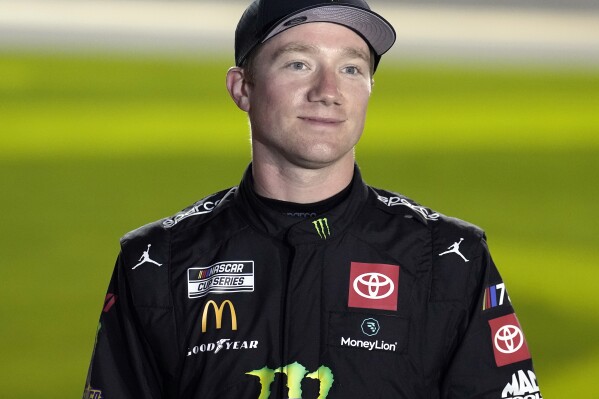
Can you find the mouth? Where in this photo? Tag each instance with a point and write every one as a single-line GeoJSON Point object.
{"type": "Point", "coordinates": [318, 120]}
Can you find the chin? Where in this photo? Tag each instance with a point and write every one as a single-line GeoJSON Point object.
{"type": "Point", "coordinates": [320, 160]}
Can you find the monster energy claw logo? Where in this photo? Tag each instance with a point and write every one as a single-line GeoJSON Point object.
{"type": "Point", "coordinates": [295, 373]}
{"type": "Point", "coordinates": [322, 228]}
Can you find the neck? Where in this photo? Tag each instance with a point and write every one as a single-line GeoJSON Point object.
{"type": "Point", "coordinates": [301, 185]}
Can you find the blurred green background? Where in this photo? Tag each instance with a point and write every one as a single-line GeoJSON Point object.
{"type": "Point", "coordinates": [92, 146]}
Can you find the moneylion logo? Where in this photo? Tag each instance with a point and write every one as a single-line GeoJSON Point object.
{"type": "Point", "coordinates": [322, 228]}
{"type": "Point", "coordinates": [218, 313]}
{"type": "Point", "coordinates": [370, 327]}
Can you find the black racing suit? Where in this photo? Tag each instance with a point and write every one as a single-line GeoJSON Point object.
{"type": "Point", "coordinates": [375, 298]}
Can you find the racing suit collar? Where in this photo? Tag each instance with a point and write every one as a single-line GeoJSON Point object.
{"type": "Point", "coordinates": [320, 228]}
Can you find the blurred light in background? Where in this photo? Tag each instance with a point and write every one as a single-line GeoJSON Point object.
{"type": "Point", "coordinates": [522, 31]}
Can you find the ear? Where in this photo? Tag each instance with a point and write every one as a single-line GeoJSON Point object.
{"type": "Point", "coordinates": [237, 85]}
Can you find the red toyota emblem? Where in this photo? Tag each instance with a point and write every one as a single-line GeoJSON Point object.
{"type": "Point", "coordinates": [509, 345]}
{"type": "Point", "coordinates": [508, 339]}
{"type": "Point", "coordinates": [373, 286]}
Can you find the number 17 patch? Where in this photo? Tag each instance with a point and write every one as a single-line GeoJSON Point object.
{"type": "Point", "coordinates": [495, 295]}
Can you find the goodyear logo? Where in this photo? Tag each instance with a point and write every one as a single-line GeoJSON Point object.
{"type": "Point", "coordinates": [218, 314]}
{"type": "Point", "coordinates": [322, 228]}
{"type": "Point", "coordinates": [221, 278]}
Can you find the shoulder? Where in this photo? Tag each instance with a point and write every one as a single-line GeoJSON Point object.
{"type": "Point", "coordinates": [145, 256]}
{"type": "Point", "coordinates": [456, 248]}
{"type": "Point", "coordinates": [398, 204]}
{"type": "Point", "coordinates": [158, 233]}
{"type": "Point", "coordinates": [202, 210]}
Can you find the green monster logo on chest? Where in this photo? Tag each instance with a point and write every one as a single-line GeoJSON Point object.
{"type": "Point", "coordinates": [295, 373]}
{"type": "Point", "coordinates": [322, 228]}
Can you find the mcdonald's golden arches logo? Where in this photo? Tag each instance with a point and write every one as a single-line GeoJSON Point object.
{"type": "Point", "coordinates": [218, 313]}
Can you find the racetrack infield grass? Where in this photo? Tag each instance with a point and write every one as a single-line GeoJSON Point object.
{"type": "Point", "coordinates": [94, 147]}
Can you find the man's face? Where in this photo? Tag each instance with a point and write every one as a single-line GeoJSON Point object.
{"type": "Point", "coordinates": [308, 98]}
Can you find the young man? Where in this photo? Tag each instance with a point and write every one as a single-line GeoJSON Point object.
{"type": "Point", "coordinates": [304, 282]}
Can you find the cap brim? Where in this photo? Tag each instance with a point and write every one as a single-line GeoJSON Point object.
{"type": "Point", "coordinates": [375, 30]}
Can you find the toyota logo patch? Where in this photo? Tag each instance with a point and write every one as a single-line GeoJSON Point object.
{"type": "Point", "coordinates": [508, 339]}
{"type": "Point", "coordinates": [509, 345]}
{"type": "Point", "coordinates": [378, 285]}
{"type": "Point", "coordinates": [373, 286]}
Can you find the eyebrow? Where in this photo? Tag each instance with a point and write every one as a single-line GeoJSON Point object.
{"type": "Point", "coordinates": [294, 47]}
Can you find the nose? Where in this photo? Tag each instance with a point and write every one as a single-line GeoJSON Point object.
{"type": "Point", "coordinates": [325, 88]}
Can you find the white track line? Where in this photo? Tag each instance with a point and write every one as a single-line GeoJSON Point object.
{"type": "Point", "coordinates": [423, 31]}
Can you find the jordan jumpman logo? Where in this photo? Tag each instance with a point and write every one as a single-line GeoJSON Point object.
{"type": "Point", "coordinates": [145, 258]}
{"type": "Point", "coordinates": [455, 248]}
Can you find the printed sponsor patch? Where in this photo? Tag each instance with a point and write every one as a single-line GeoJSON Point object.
{"type": "Point", "coordinates": [296, 374]}
{"type": "Point", "coordinates": [202, 207]}
{"type": "Point", "coordinates": [395, 201]}
{"type": "Point", "coordinates": [455, 249]}
{"type": "Point", "coordinates": [322, 228]}
{"type": "Point", "coordinates": [218, 314]}
{"type": "Point", "coordinates": [145, 258]}
{"type": "Point", "coordinates": [109, 301]}
{"type": "Point", "coordinates": [371, 326]}
{"type": "Point", "coordinates": [221, 278]}
{"type": "Point", "coordinates": [224, 344]}
{"type": "Point", "coordinates": [495, 295]}
{"type": "Point", "coordinates": [522, 386]}
{"type": "Point", "coordinates": [509, 345]}
{"type": "Point", "coordinates": [91, 393]}
{"type": "Point", "coordinates": [373, 286]}
{"type": "Point", "coordinates": [384, 333]}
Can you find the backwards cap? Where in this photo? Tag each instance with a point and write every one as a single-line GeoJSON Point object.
{"type": "Point", "coordinates": [264, 19]}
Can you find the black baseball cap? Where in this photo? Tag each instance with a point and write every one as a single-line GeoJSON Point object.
{"type": "Point", "coordinates": [264, 19]}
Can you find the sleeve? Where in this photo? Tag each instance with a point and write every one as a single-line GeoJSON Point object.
{"type": "Point", "coordinates": [123, 364]}
{"type": "Point", "coordinates": [491, 358]}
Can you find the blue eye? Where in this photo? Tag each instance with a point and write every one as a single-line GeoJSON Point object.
{"type": "Point", "coordinates": [352, 70]}
{"type": "Point", "coordinates": [298, 66]}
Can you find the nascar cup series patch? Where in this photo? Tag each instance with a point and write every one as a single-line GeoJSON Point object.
{"type": "Point", "coordinates": [221, 278]}
{"type": "Point", "coordinates": [373, 286]}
